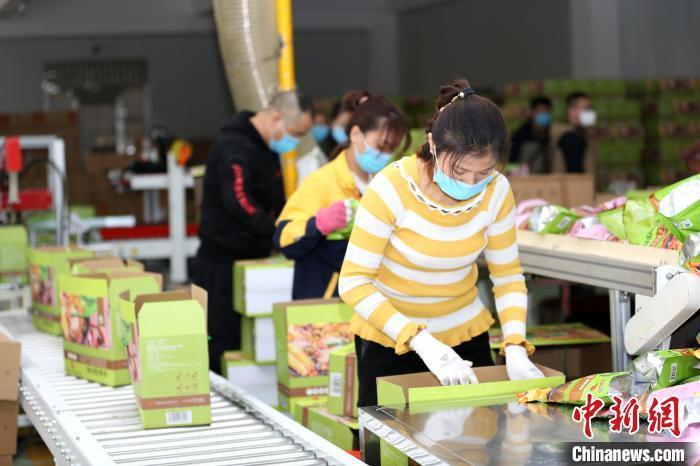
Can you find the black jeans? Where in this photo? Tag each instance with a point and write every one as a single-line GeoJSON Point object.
{"type": "Point", "coordinates": [375, 360]}
{"type": "Point", "coordinates": [224, 325]}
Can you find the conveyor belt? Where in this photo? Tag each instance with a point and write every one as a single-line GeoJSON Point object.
{"type": "Point", "coordinates": [85, 423]}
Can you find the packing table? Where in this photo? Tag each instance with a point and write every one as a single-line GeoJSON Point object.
{"type": "Point", "coordinates": [486, 431]}
{"type": "Point", "coordinates": [85, 423]}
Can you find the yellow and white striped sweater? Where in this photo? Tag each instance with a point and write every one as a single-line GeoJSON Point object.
{"type": "Point", "coordinates": [411, 263]}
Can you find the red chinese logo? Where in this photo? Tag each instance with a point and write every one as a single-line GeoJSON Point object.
{"type": "Point", "coordinates": [624, 415]}
{"type": "Point", "coordinates": [587, 412]}
{"type": "Point", "coordinates": [664, 415]}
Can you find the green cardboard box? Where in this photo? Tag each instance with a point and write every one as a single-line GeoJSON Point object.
{"type": "Point", "coordinates": [91, 323]}
{"type": "Point", "coordinates": [101, 264]}
{"type": "Point", "coordinates": [306, 332]}
{"type": "Point", "coordinates": [13, 254]}
{"type": "Point", "coordinates": [423, 387]}
{"type": "Point", "coordinates": [298, 406]}
{"type": "Point", "coordinates": [573, 349]}
{"type": "Point", "coordinates": [258, 339]}
{"type": "Point", "coordinates": [168, 356]}
{"type": "Point", "coordinates": [343, 385]}
{"type": "Point", "coordinates": [46, 264]}
{"type": "Point", "coordinates": [260, 283]}
{"type": "Point", "coordinates": [340, 431]}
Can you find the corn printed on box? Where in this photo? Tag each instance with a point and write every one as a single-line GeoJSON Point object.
{"type": "Point", "coordinates": [45, 265]}
{"type": "Point", "coordinates": [13, 254]}
{"type": "Point", "coordinates": [91, 324]}
{"type": "Point", "coordinates": [306, 332]}
{"type": "Point", "coordinates": [168, 357]}
{"type": "Point", "coordinates": [343, 385]}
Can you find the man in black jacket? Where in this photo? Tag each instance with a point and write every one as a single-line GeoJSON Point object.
{"type": "Point", "coordinates": [243, 194]}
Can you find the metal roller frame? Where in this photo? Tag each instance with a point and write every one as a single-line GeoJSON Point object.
{"type": "Point", "coordinates": [85, 423]}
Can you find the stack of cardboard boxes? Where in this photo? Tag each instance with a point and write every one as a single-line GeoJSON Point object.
{"type": "Point", "coordinates": [316, 368]}
{"type": "Point", "coordinates": [257, 285]}
{"type": "Point", "coordinates": [9, 405]}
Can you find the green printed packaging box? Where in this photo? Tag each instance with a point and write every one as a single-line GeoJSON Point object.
{"type": "Point", "coordinates": [258, 339]}
{"type": "Point", "coordinates": [573, 349]}
{"type": "Point", "coordinates": [91, 324]}
{"type": "Point", "coordinates": [168, 356]}
{"type": "Point", "coordinates": [343, 385]}
{"type": "Point", "coordinates": [306, 332]}
{"type": "Point", "coordinates": [260, 283]}
{"type": "Point", "coordinates": [423, 387]}
{"type": "Point", "coordinates": [102, 264]}
{"type": "Point", "coordinates": [340, 431]}
{"type": "Point", "coordinates": [46, 264]}
{"type": "Point", "coordinates": [297, 406]}
{"type": "Point", "coordinates": [13, 254]}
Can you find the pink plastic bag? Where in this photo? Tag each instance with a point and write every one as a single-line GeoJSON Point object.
{"type": "Point", "coordinates": [524, 210]}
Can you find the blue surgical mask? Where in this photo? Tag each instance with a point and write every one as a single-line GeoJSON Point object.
{"type": "Point", "coordinates": [320, 132]}
{"type": "Point", "coordinates": [286, 143]}
{"type": "Point", "coordinates": [458, 189]}
{"type": "Point", "coordinates": [339, 135]}
{"type": "Point", "coordinates": [543, 118]}
{"type": "Point", "coordinates": [372, 160]}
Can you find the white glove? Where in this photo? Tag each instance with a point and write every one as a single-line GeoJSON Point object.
{"type": "Point", "coordinates": [518, 366]}
{"type": "Point", "coordinates": [445, 425]}
{"type": "Point", "coordinates": [442, 360]}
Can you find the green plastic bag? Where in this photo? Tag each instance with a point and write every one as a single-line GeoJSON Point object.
{"type": "Point", "coordinates": [344, 234]}
{"type": "Point", "coordinates": [612, 220]}
{"type": "Point", "coordinates": [679, 207]}
{"type": "Point", "coordinates": [552, 219]}
{"type": "Point", "coordinates": [640, 221]}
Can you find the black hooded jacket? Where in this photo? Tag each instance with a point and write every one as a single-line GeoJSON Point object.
{"type": "Point", "coordinates": [243, 194]}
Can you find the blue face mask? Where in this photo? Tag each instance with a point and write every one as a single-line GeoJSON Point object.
{"type": "Point", "coordinates": [372, 160]}
{"type": "Point", "coordinates": [286, 143]}
{"type": "Point", "coordinates": [543, 118]}
{"type": "Point", "coordinates": [458, 189]}
{"type": "Point", "coordinates": [339, 135]}
{"type": "Point", "coordinates": [320, 132]}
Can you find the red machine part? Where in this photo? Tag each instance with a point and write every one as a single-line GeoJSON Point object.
{"type": "Point", "coordinates": [29, 199]}
{"type": "Point", "coordinates": [142, 232]}
{"type": "Point", "coordinates": [13, 155]}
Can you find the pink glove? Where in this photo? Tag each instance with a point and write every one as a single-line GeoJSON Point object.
{"type": "Point", "coordinates": [332, 218]}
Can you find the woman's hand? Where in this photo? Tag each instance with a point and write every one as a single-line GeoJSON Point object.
{"type": "Point", "coordinates": [334, 217]}
{"type": "Point", "coordinates": [443, 361]}
{"type": "Point", "coordinates": [518, 366]}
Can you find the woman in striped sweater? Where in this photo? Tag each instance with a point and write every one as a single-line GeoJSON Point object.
{"type": "Point", "coordinates": [410, 269]}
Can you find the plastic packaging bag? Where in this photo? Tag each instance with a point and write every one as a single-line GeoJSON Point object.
{"type": "Point", "coordinates": [665, 368]}
{"type": "Point", "coordinates": [552, 219]}
{"type": "Point", "coordinates": [603, 386]}
{"type": "Point", "coordinates": [612, 220]}
{"type": "Point", "coordinates": [690, 253]}
{"type": "Point", "coordinates": [679, 207]}
{"type": "Point", "coordinates": [640, 220]}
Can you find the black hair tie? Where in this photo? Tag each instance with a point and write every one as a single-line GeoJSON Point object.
{"type": "Point", "coordinates": [466, 92]}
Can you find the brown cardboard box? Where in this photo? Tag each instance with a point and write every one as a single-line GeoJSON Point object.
{"type": "Point", "coordinates": [5, 460]}
{"type": "Point", "coordinates": [568, 190]}
{"type": "Point", "coordinates": [9, 367]}
{"type": "Point", "coordinates": [9, 410]}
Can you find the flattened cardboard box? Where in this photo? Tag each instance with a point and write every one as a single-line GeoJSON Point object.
{"type": "Point", "coordinates": [260, 283]}
{"type": "Point", "coordinates": [168, 356]}
{"type": "Point", "coordinates": [9, 368]}
{"type": "Point", "coordinates": [260, 380]}
{"type": "Point", "coordinates": [573, 349]}
{"type": "Point", "coordinates": [343, 383]}
{"type": "Point", "coordinates": [258, 339]}
{"type": "Point", "coordinates": [93, 338]}
{"type": "Point", "coordinates": [13, 254]}
{"type": "Point", "coordinates": [423, 387]}
{"type": "Point", "coordinates": [46, 264]}
{"type": "Point", "coordinates": [340, 431]}
{"type": "Point", "coordinates": [306, 332]}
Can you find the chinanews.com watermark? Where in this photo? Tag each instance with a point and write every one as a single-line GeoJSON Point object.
{"type": "Point", "coordinates": [627, 453]}
{"type": "Point", "coordinates": [662, 416]}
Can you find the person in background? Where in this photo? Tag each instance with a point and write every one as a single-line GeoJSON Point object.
{"type": "Point", "coordinates": [573, 151]}
{"type": "Point", "coordinates": [531, 145]}
{"type": "Point", "coordinates": [321, 132]}
{"type": "Point", "coordinates": [340, 116]}
{"type": "Point", "coordinates": [243, 194]}
{"type": "Point", "coordinates": [313, 228]}
{"type": "Point", "coordinates": [410, 270]}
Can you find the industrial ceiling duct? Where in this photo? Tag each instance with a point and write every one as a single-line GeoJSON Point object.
{"type": "Point", "coordinates": [250, 49]}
